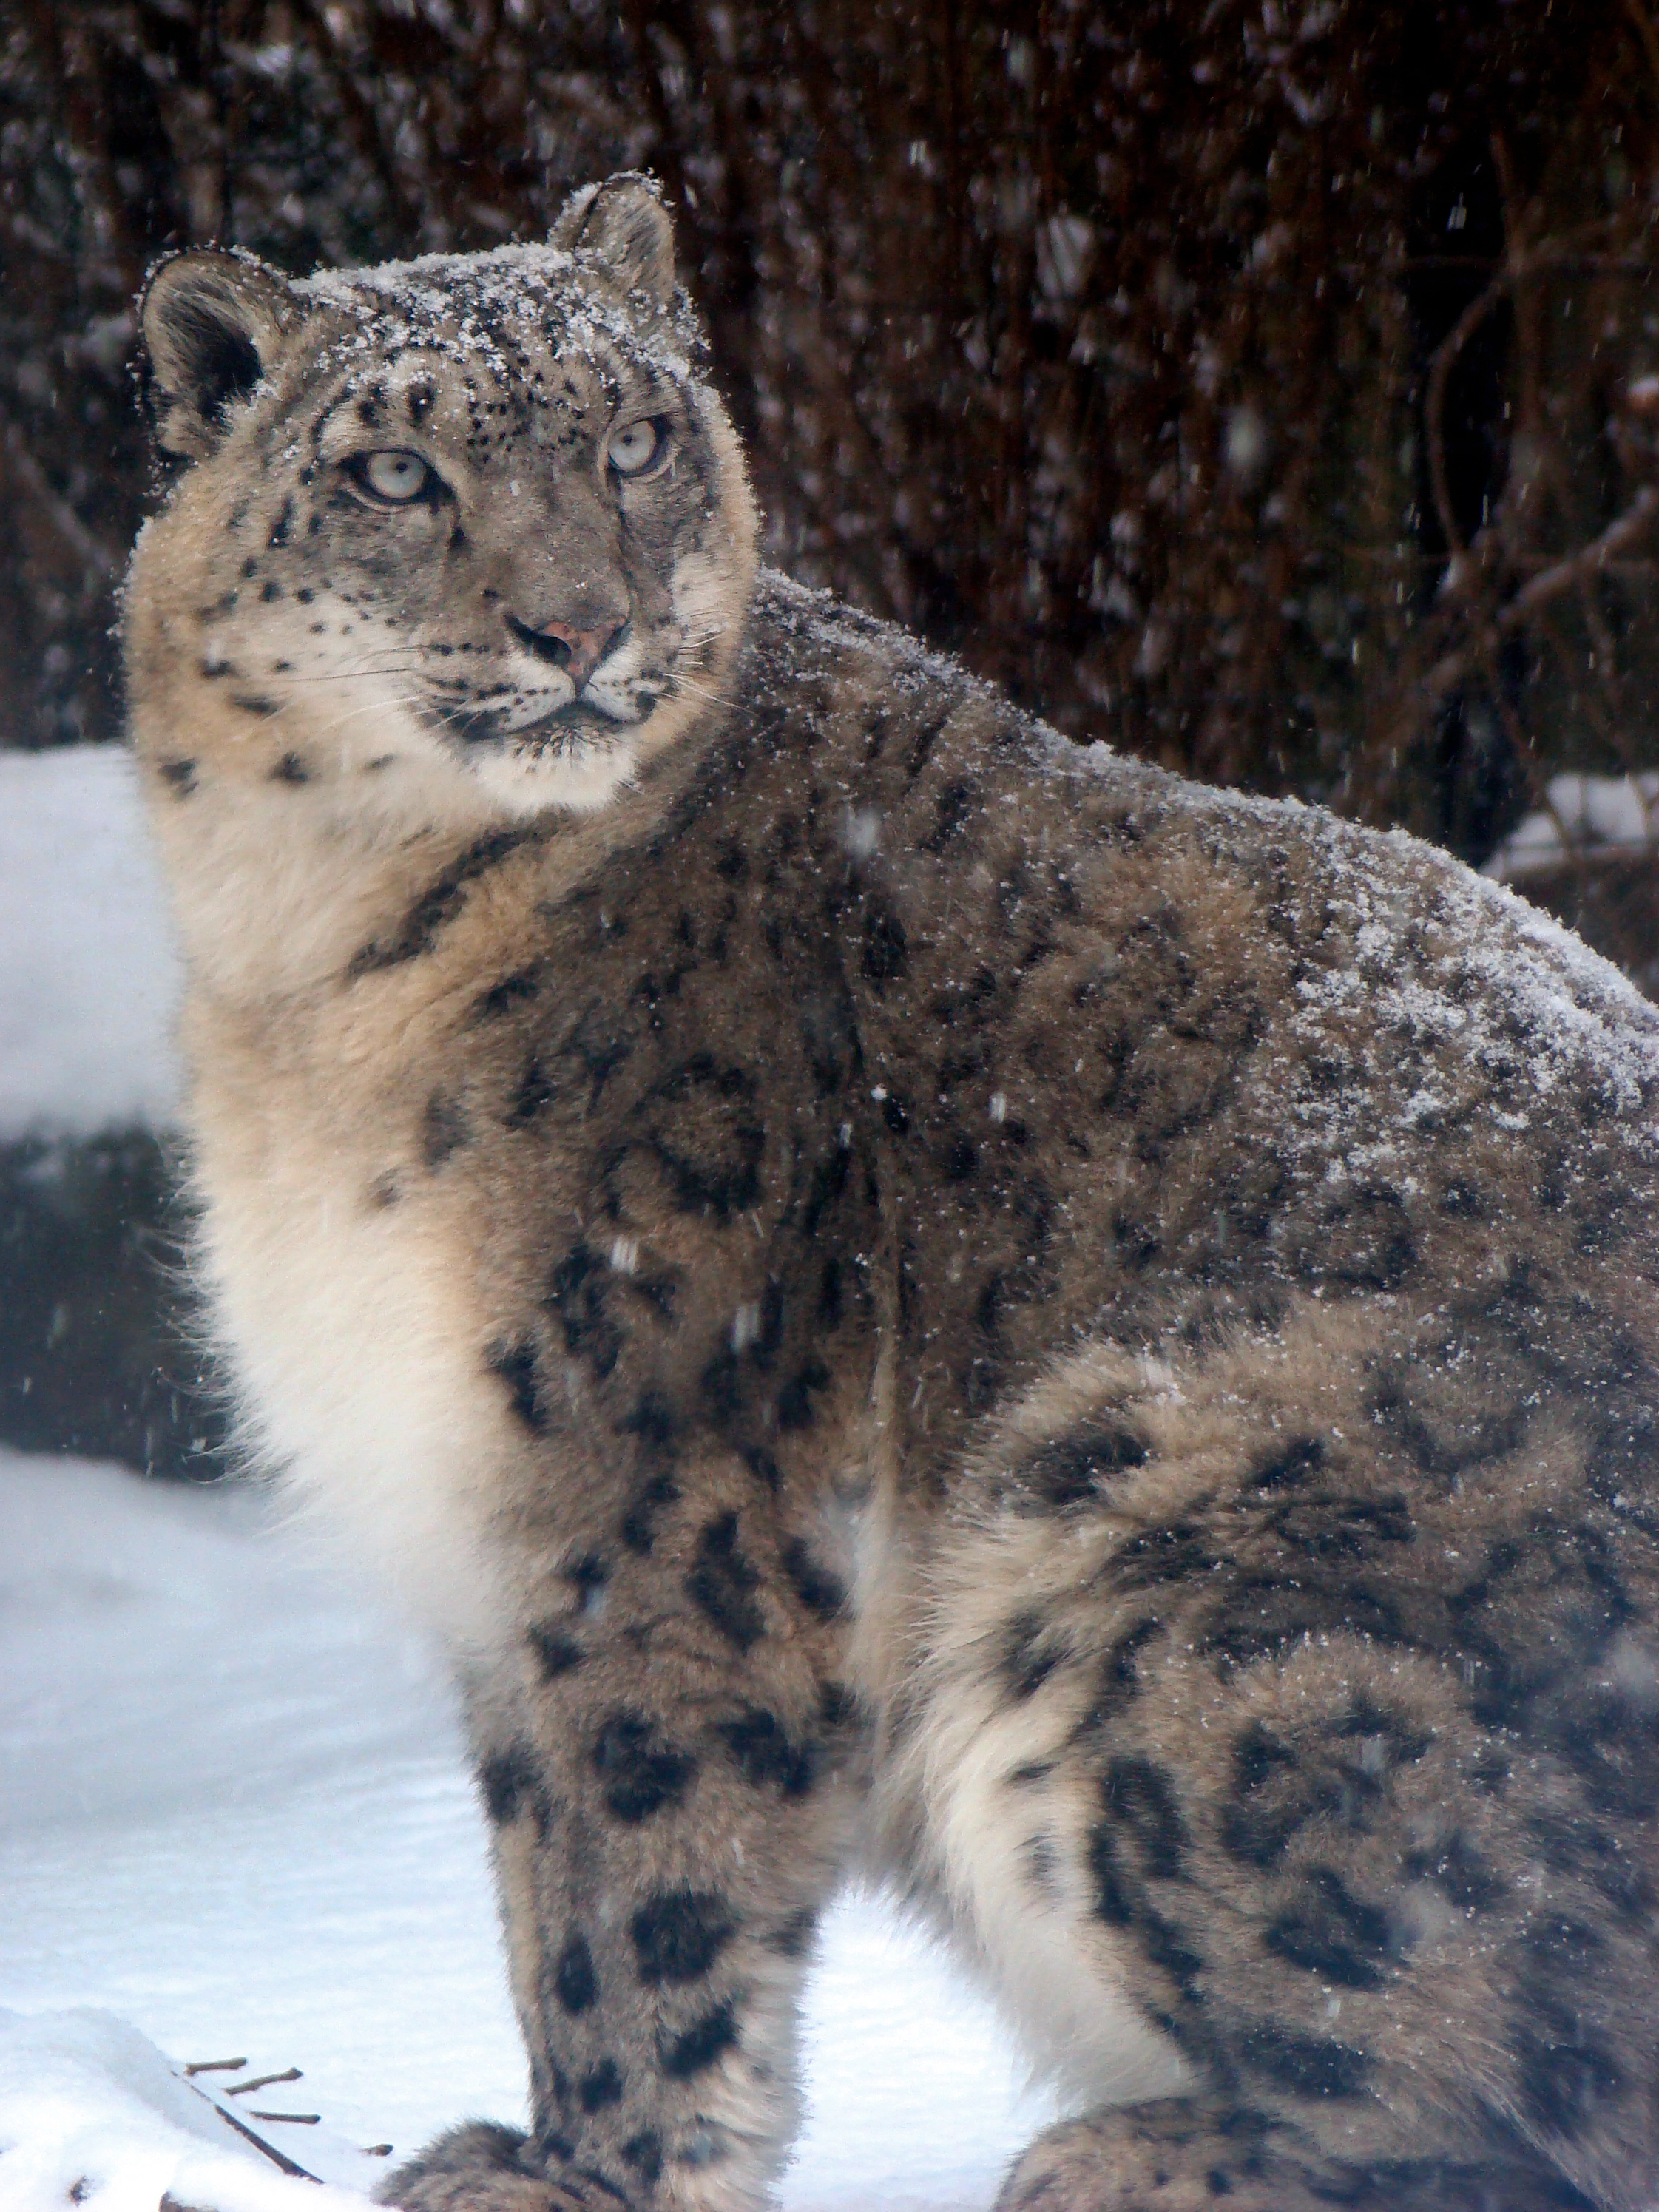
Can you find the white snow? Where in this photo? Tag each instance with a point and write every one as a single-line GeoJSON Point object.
{"type": "Point", "coordinates": [235, 1821]}
{"type": "Point", "coordinates": [92, 2113]}
{"type": "Point", "coordinates": [87, 974]}
{"type": "Point", "coordinates": [1583, 817]}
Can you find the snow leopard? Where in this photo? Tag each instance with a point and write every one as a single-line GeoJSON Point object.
{"type": "Point", "coordinates": [913, 1300]}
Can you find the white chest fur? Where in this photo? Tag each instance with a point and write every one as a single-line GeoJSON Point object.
{"type": "Point", "coordinates": [356, 1353]}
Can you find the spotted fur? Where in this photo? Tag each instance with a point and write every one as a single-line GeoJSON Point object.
{"type": "Point", "coordinates": [905, 1295]}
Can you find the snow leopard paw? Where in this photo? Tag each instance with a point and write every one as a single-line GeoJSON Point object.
{"type": "Point", "coordinates": [481, 2167]}
{"type": "Point", "coordinates": [1167, 2157]}
{"type": "Point", "coordinates": [1187, 2155]}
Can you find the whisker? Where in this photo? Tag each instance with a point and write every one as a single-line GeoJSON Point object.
{"type": "Point", "coordinates": [716, 698]}
{"type": "Point", "coordinates": [334, 726]}
{"type": "Point", "coordinates": [355, 675]}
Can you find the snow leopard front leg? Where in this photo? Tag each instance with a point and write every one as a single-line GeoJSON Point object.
{"type": "Point", "coordinates": [663, 1756]}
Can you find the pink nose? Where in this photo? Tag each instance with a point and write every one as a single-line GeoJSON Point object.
{"type": "Point", "coordinates": [578, 652]}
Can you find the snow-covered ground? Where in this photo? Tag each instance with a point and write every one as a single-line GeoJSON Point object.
{"type": "Point", "coordinates": [1596, 818]}
{"type": "Point", "coordinates": [234, 1813]}
{"type": "Point", "coordinates": [87, 977]}
{"type": "Point", "coordinates": [235, 1819]}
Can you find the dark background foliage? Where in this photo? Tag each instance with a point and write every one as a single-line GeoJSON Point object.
{"type": "Point", "coordinates": [1269, 387]}
{"type": "Point", "coordinates": [1242, 382]}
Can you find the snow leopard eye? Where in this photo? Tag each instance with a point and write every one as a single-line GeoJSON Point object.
{"type": "Point", "coordinates": [393, 478]}
{"type": "Point", "coordinates": [633, 450]}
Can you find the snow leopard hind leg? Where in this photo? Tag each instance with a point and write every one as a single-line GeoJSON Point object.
{"type": "Point", "coordinates": [1284, 1738]}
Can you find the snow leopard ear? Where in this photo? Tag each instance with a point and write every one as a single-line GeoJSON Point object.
{"type": "Point", "coordinates": [625, 226]}
{"type": "Point", "coordinates": [212, 324]}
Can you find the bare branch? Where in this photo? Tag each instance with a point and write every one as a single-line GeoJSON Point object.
{"type": "Point", "coordinates": [1520, 264]}
{"type": "Point", "coordinates": [89, 552]}
{"type": "Point", "coordinates": [361, 119]}
{"type": "Point", "coordinates": [1449, 672]}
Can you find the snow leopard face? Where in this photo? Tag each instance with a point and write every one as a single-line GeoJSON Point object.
{"type": "Point", "coordinates": [476, 511]}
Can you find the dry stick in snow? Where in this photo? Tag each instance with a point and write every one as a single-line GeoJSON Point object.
{"type": "Point", "coordinates": [262, 2082]}
{"type": "Point", "coordinates": [266, 2150]}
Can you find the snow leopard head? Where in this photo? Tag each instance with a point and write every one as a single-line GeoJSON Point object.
{"type": "Point", "coordinates": [478, 515]}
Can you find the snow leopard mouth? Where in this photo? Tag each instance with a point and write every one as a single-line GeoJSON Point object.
{"type": "Point", "coordinates": [481, 725]}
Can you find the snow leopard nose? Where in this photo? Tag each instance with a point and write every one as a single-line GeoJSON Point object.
{"type": "Point", "coordinates": [578, 652]}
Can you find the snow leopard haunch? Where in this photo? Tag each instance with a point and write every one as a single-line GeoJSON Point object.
{"type": "Point", "coordinates": [907, 1295]}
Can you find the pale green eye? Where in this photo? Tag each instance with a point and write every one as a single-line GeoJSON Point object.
{"type": "Point", "coordinates": [633, 450]}
{"type": "Point", "coordinates": [396, 477]}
